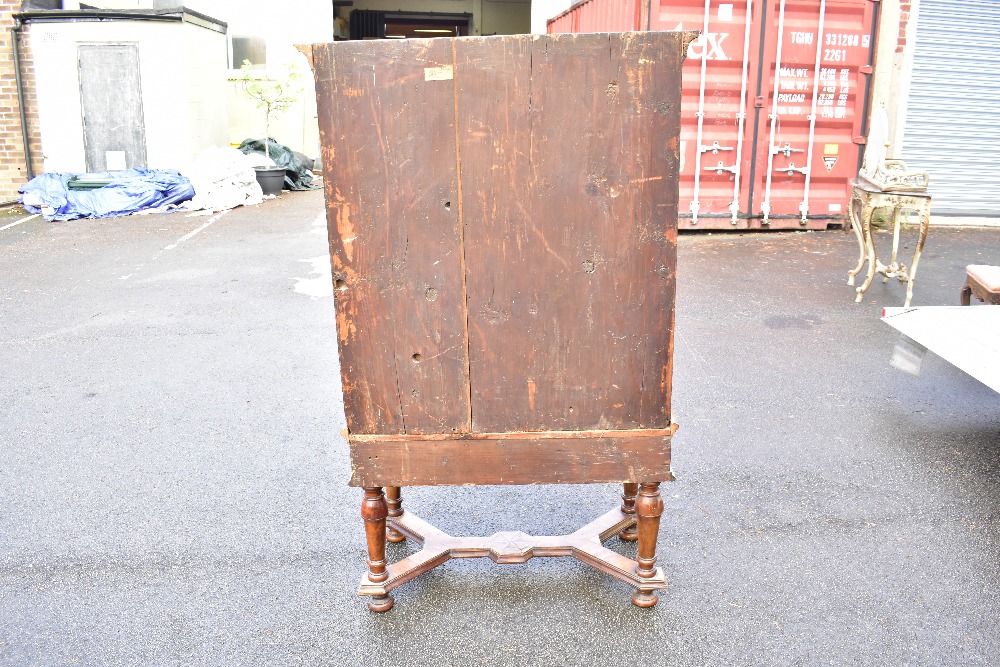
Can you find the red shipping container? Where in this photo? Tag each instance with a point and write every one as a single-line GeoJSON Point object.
{"type": "Point", "coordinates": [775, 103]}
{"type": "Point", "coordinates": [620, 16]}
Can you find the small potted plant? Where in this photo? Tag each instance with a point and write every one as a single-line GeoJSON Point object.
{"type": "Point", "coordinates": [272, 95]}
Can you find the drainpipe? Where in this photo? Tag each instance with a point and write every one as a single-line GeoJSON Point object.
{"type": "Point", "coordinates": [15, 33]}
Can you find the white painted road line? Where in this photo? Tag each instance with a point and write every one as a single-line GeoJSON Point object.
{"type": "Point", "coordinates": [17, 222]}
{"type": "Point", "coordinates": [192, 233]}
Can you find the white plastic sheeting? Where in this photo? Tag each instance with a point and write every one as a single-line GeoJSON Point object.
{"type": "Point", "coordinates": [224, 178]}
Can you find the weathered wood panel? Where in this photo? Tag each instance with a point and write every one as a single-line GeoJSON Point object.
{"type": "Point", "coordinates": [502, 216]}
{"type": "Point", "coordinates": [568, 166]}
{"type": "Point", "coordinates": [512, 458]}
{"type": "Point", "coordinates": [387, 120]}
{"type": "Point", "coordinates": [111, 101]}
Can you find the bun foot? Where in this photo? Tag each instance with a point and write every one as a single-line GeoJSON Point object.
{"type": "Point", "coordinates": [385, 602]}
{"type": "Point", "coordinates": [645, 599]}
{"type": "Point", "coordinates": [394, 535]}
{"type": "Point", "coordinates": [630, 534]}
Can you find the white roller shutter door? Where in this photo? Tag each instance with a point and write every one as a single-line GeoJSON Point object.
{"type": "Point", "coordinates": [953, 121]}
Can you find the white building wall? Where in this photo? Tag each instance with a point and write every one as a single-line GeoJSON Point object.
{"type": "Point", "coordinates": [206, 58]}
{"type": "Point", "coordinates": [57, 88]}
{"type": "Point", "coordinates": [281, 27]}
{"type": "Point", "coordinates": [543, 10]}
{"type": "Point", "coordinates": [182, 72]}
{"type": "Point", "coordinates": [893, 66]}
{"type": "Point", "coordinates": [296, 127]}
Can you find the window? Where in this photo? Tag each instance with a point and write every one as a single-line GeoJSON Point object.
{"type": "Point", "coordinates": [253, 49]}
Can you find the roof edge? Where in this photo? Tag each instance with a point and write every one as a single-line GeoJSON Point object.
{"type": "Point", "coordinates": [176, 14]}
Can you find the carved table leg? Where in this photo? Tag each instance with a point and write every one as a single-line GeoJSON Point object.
{"type": "Point", "coordinates": [925, 223]}
{"type": "Point", "coordinates": [866, 221]}
{"type": "Point", "coordinates": [395, 505]}
{"type": "Point", "coordinates": [897, 214]}
{"type": "Point", "coordinates": [856, 226]}
{"type": "Point", "coordinates": [374, 511]}
{"type": "Point", "coordinates": [629, 493]}
{"type": "Point", "coordinates": [648, 509]}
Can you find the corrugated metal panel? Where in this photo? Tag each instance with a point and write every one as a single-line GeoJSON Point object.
{"type": "Point", "coordinates": [953, 118]}
{"type": "Point", "coordinates": [562, 23]}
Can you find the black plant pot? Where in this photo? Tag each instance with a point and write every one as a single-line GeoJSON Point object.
{"type": "Point", "coordinates": [271, 179]}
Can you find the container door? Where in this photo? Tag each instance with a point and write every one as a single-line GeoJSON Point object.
{"type": "Point", "coordinates": [809, 110]}
{"type": "Point", "coordinates": [111, 99]}
{"type": "Point", "coordinates": [717, 92]}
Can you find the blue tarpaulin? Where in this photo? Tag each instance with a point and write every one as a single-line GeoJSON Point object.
{"type": "Point", "coordinates": [130, 190]}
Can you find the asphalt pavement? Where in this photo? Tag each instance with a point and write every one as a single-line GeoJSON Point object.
{"type": "Point", "coordinates": [173, 485]}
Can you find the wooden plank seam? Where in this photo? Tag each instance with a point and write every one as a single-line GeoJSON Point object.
{"type": "Point", "coordinates": [461, 231]}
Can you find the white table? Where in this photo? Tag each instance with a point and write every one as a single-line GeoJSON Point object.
{"type": "Point", "coordinates": [968, 337]}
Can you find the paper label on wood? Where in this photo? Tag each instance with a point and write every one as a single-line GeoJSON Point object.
{"type": "Point", "coordinates": [445, 73]}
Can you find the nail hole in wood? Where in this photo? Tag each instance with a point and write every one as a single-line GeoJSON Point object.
{"type": "Point", "coordinates": [340, 284]}
{"type": "Point", "coordinates": [447, 205]}
{"type": "Point", "coordinates": [417, 357]}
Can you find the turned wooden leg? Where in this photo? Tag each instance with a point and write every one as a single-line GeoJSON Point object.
{"type": "Point", "coordinates": [648, 509]}
{"type": "Point", "coordinates": [629, 493]}
{"type": "Point", "coordinates": [374, 511]}
{"type": "Point", "coordinates": [395, 505]}
{"type": "Point", "coordinates": [966, 295]}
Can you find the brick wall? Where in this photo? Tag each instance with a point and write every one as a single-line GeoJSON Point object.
{"type": "Point", "coordinates": [13, 173]}
{"type": "Point", "coordinates": [904, 19]}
